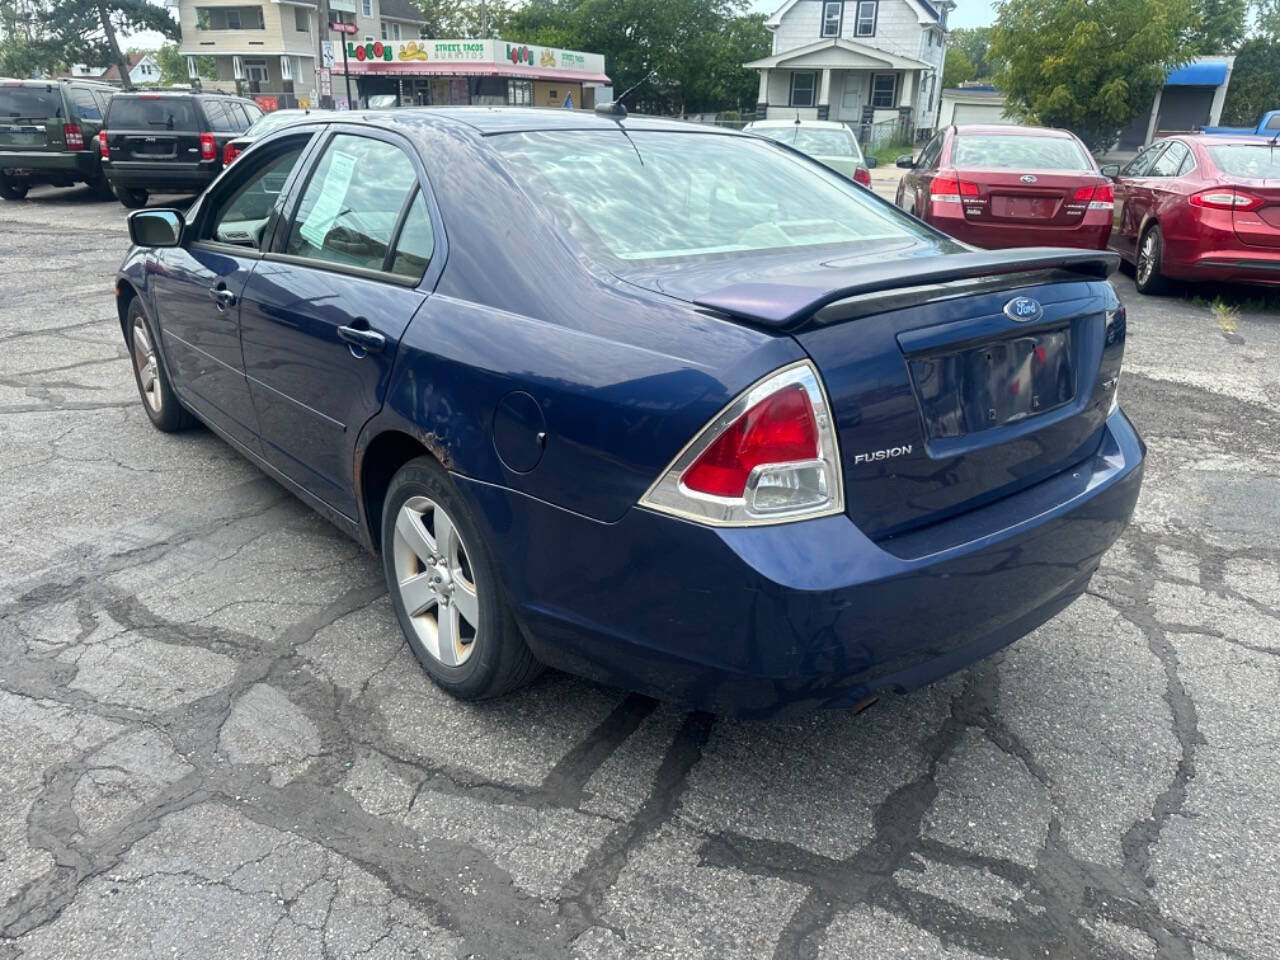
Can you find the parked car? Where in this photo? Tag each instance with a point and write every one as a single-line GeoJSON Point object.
{"type": "Point", "coordinates": [654, 403]}
{"type": "Point", "coordinates": [1005, 186]}
{"type": "Point", "coordinates": [47, 131]}
{"type": "Point", "coordinates": [261, 127]}
{"type": "Point", "coordinates": [1199, 208]}
{"type": "Point", "coordinates": [832, 144]}
{"type": "Point", "coordinates": [169, 141]}
{"type": "Point", "coordinates": [1268, 125]}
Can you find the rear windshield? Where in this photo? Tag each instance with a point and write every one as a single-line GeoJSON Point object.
{"type": "Point", "coordinates": [29, 103]}
{"type": "Point", "coordinates": [816, 143]}
{"type": "Point", "coordinates": [151, 113]}
{"type": "Point", "coordinates": [1250, 161]}
{"type": "Point", "coordinates": [1012, 152]}
{"type": "Point", "coordinates": [649, 195]}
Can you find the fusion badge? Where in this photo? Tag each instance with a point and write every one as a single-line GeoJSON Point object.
{"type": "Point", "coordinates": [889, 453]}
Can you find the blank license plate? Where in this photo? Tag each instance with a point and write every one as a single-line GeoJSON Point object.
{"type": "Point", "coordinates": [1023, 208]}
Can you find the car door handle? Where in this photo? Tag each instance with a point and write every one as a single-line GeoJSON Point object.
{"type": "Point", "coordinates": [370, 341]}
{"type": "Point", "coordinates": [222, 296]}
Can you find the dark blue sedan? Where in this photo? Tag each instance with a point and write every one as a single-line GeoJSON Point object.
{"type": "Point", "coordinates": [658, 404]}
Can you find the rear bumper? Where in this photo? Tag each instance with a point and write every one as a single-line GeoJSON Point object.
{"type": "Point", "coordinates": [1214, 253]}
{"type": "Point", "coordinates": [158, 176]}
{"type": "Point", "coordinates": [758, 619]}
{"type": "Point", "coordinates": [46, 167]}
{"type": "Point", "coordinates": [1091, 233]}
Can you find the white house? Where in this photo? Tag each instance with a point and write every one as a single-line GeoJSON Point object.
{"type": "Point", "coordinates": [857, 61]}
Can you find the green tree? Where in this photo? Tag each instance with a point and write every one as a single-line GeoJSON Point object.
{"type": "Point", "coordinates": [1220, 25]}
{"type": "Point", "coordinates": [23, 52]}
{"type": "Point", "coordinates": [1267, 15]}
{"type": "Point", "coordinates": [1090, 66]}
{"type": "Point", "coordinates": [958, 68]}
{"type": "Point", "coordinates": [88, 31]}
{"type": "Point", "coordinates": [173, 66]}
{"type": "Point", "coordinates": [976, 43]}
{"type": "Point", "coordinates": [1255, 83]}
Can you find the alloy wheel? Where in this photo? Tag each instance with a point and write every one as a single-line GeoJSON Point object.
{"type": "Point", "coordinates": [1147, 257]}
{"type": "Point", "coordinates": [145, 363]}
{"type": "Point", "coordinates": [437, 586]}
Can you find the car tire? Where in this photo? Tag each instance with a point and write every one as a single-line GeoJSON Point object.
{"type": "Point", "coordinates": [101, 187]}
{"type": "Point", "coordinates": [480, 653]}
{"type": "Point", "coordinates": [130, 197]}
{"type": "Point", "coordinates": [162, 406]}
{"type": "Point", "coordinates": [12, 189]}
{"type": "Point", "coordinates": [1147, 275]}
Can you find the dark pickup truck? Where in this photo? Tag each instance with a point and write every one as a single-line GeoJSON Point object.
{"type": "Point", "coordinates": [170, 142]}
{"type": "Point", "coordinates": [48, 132]}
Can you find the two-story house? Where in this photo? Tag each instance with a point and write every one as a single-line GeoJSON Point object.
{"type": "Point", "coordinates": [857, 61]}
{"type": "Point", "coordinates": [270, 47]}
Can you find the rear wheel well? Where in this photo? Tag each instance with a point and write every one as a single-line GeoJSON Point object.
{"type": "Point", "coordinates": [386, 454]}
{"type": "Point", "coordinates": [125, 294]}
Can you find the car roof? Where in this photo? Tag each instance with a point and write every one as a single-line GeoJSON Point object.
{"type": "Point", "coordinates": [494, 120]}
{"type": "Point", "coordinates": [1011, 130]}
{"type": "Point", "coordinates": [1210, 140]}
{"type": "Point", "coordinates": [818, 124]}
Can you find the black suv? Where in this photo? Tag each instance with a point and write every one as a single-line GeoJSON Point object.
{"type": "Point", "coordinates": [48, 130]}
{"type": "Point", "coordinates": [169, 141]}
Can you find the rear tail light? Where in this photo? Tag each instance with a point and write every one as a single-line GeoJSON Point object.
{"type": "Point", "coordinates": [229, 153]}
{"type": "Point", "coordinates": [863, 176]}
{"type": "Point", "coordinates": [770, 456]}
{"type": "Point", "coordinates": [951, 189]}
{"type": "Point", "coordinates": [1226, 198]}
{"type": "Point", "coordinates": [1099, 197]}
{"type": "Point", "coordinates": [103, 147]}
{"type": "Point", "coordinates": [73, 135]}
{"type": "Point", "coordinates": [208, 149]}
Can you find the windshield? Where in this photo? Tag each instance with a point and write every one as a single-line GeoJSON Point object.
{"type": "Point", "coordinates": [654, 195]}
{"type": "Point", "coordinates": [816, 142]}
{"type": "Point", "coordinates": [1013, 152]}
{"type": "Point", "coordinates": [1250, 161]}
{"type": "Point", "coordinates": [151, 113]}
{"type": "Point", "coordinates": [29, 103]}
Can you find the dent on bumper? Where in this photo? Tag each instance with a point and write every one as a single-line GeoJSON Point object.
{"type": "Point", "coordinates": [812, 613]}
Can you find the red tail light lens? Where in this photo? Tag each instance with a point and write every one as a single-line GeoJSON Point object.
{"type": "Point", "coordinates": [779, 429]}
{"type": "Point", "coordinates": [769, 456]}
{"type": "Point", "coordinates": [73, 135]}
{"type": "Point", "coordinates": [1082, 195]}
{"type": "Point", "coordinates": [1099, 197]}
{"type": "Point", "coordinates": [863, 176]}
{"type": "Point", "coordinates": [1226, 198]}
{"type": "Point", "coordinates": [1104, 193]}
{"type": "Point", "coordinates": [208, 149]}
{"type": "Point", "coordinates": [950, 189]}
{"type": "Point", "coordinates": [103, 147]}
{"type": "Point", "coordinates": [229, 153]}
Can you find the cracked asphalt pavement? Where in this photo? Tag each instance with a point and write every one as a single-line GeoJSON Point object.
{"type": "Point", "coordinates": [215, 744]}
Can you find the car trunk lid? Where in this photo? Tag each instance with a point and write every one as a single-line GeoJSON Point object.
{"type": "Point", "coordinates": [1259, 227]}
{"type": "Point", "coordinates": [954, 380]}
{"type": "Point", "coordinates": [1052, 198]}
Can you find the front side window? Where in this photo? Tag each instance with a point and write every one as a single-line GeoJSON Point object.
{"type": "Point", "coordinates": [884, 90]}
{"type": "Point", "coordinates": [1014, 152]}
{"type": "Point", "coordinates": [831, 15]}
{"type": "Point", "coordinates": [352, 205]}
{"type": "Point", "coordinates": [658, 195]}
{"type": "Point", "coordinates": [803, 89]}
{"type": "Point", "coordinates": [240, 217]}
{"type": "Point", "coordinates": [866, 25]}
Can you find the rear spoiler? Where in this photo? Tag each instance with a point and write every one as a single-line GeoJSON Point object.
{"type": "Point", "coordinates": [873, 288]}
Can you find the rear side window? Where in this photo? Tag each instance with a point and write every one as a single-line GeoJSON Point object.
{"type": "Point", "coordinates": [151, 113]}
{"type": "Point", "coordinates": [29, 103]}
{"type": "Point", "coordinates": [1170, 161]}
{"type": "Point", "coordinates": [216, 115]}
{"type": "Point", "coordinates": [353, 203]}
{"type": "Point", "coordinates": [1013, 152]}
{"type": "Point", "coordinates": [86, 106]}
{"type": "Point", "coordinates": [417, 241]}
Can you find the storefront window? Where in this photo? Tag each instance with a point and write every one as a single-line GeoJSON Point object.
{"type": "Point", "coordinates": [520, 92]}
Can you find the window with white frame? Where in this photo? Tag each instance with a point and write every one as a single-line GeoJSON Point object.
{"type": "Point", "coordinates": [866, 22]}
{"type": "Point", "coordinates": [395, 31]}
{"type": "Point", "coordinates": [884, 90]}
{"type": "Point", "coordinates": [256, 70]}
{"type": "Point", "coordinates": [803, 89]}
{"type": "Point", "coordinates": [366, 7]}
{"type": "Point", "coordinates": [386, 32]}
{"type": "Point", "coordinates": [832, 14]}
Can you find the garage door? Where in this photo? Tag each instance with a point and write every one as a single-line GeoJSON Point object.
{"type": "Point", "coordinates": [979, 113]}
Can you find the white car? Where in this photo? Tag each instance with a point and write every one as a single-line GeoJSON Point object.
{"type": "Point", "coordinates": [828, 142]}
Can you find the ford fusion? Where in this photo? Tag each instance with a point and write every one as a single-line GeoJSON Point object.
{"type": "Point", "coordinates": [661, 405]}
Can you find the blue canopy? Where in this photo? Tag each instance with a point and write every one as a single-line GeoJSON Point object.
{"type": "Point", "coordinates": [1204, 73]}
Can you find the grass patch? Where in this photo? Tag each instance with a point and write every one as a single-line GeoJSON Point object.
{"type": "Point", "coordinates": [887, 153]}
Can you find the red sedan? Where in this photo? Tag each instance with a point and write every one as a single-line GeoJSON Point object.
{"type": "Point", "coordinates": [1003, 186]}
{"type": "Point", "coordinates": [1200, 208]}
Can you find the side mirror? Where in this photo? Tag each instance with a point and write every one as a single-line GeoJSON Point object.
{"type": "Point", "coordinates": [906, 161]}
{"type": "Point", "coordinates": [871, 162]}
{"type": "Point", "coordinates": [155, 228]}
{"type": "Point", "coordinates": [1111, 170]}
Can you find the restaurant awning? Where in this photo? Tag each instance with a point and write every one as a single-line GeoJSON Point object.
{"type": "Point", "coordinates": [378, 68]}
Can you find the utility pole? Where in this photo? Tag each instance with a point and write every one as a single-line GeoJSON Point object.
{"type": "Point", "coordinates": [322, 33]}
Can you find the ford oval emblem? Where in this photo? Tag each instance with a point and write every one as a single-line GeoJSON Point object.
{"type": "Point", "coordinates": [1023, 310]}
{"type": "Point", "coordinates": [1028, 178]}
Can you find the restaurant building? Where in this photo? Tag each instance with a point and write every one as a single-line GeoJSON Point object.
{"type": "Point", "coordinates": [461, 72]}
